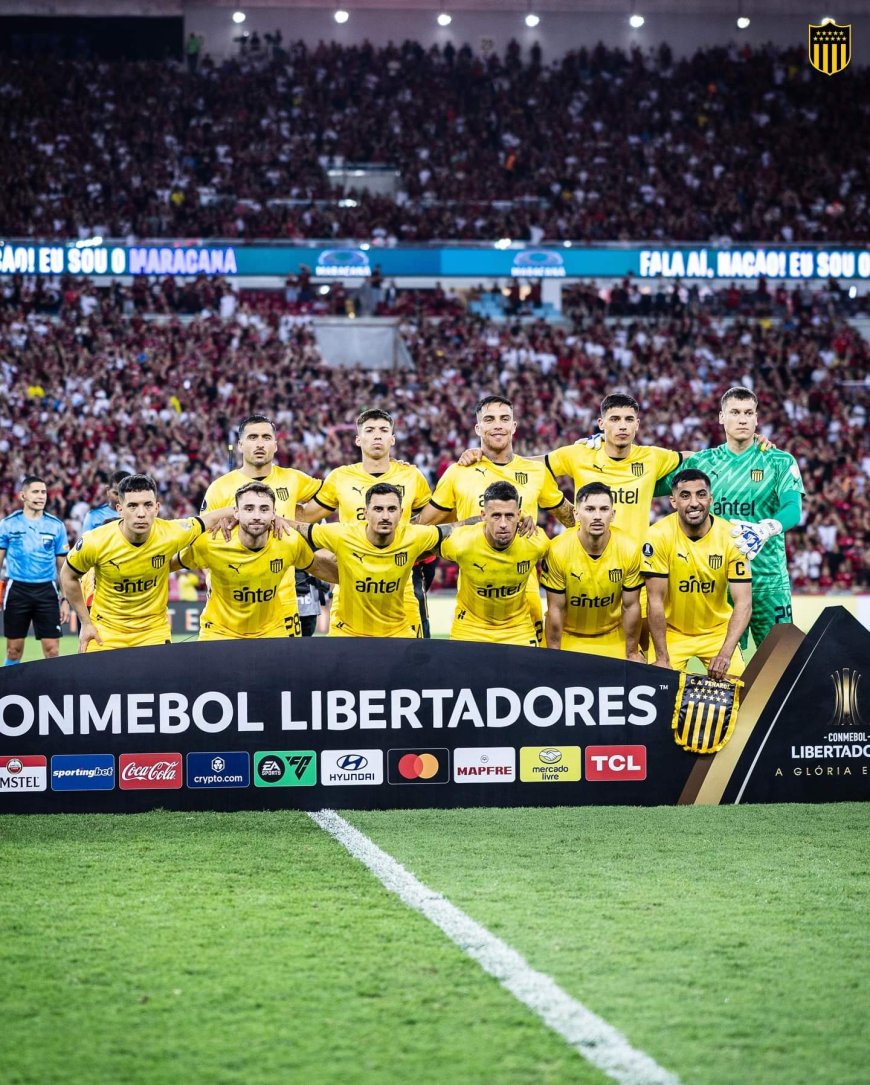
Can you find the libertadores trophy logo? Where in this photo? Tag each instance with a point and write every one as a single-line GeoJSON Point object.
{"type": "Point", "coordinates": [830, 46]}
{"type": "Point", "coordinates": [847, 713]}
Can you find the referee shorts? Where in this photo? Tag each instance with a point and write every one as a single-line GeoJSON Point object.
{"type": "Point", "coordinates": [24, 604]}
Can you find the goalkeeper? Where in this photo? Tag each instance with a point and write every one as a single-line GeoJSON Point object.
{"type": "Point", "coordinates": [760, 493]}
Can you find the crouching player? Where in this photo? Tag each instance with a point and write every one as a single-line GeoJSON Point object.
{"type": "Point", "coordinates": [592, 576]}
{"type": "Point", "coordinates": [690, 563]}
{"type": "Point", "coordinates": [131, 559]}
{"type": "Point", "coordinates": [247, 569]}
{"type": "Point", "coordinates": [495, 565]}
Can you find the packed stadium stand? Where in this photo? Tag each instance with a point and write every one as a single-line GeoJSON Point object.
{"type": "Point", "coordinates": [598, 144]}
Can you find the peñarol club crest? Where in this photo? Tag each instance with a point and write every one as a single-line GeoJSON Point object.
{"type": "Point", "coordinates": [830, 47]}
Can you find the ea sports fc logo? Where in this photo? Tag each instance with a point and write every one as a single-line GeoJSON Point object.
{"type": "Point", "coordinates": [429, 766]}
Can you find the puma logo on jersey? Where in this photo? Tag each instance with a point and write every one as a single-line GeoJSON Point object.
{"type": "Point", "coordinates": [481, 469]}
{"type": "Point", "coordinates": [358, 490]}
{"type": "Point", "coordinates": [235, 568]}
{"type": "Point", "coordinates": [598, 467]}
{"type": "Point", "coordinates": [577, 576]}
{"type": "Point", "coordinates": [476, 566]}
{"type": "Point", "coordinates": [116, 564]}
{"type": "Point", "coordinates": [685, 557]}
{"type": "Point", "coordinates": [358, 557]}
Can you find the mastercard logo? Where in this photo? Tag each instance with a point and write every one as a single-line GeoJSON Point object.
{"type": "Point", "coordinates": [418, 766]}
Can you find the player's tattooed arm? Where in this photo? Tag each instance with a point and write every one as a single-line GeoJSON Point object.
{"type": "Point", "coordinates": [564, 513]}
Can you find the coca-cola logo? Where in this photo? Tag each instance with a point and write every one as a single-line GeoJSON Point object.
{"type": "Point", "coordinates": [150, 770]}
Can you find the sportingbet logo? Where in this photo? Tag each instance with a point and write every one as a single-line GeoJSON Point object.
{"type": "Point", "coordinates": [490, 765]}
{"type": "Point", "coordinates": [27, 772]}
{"type": "Point", "coordinates": [285, 768]}
{"type": "Point", "coordinates": [345, 768]}
{"type": "Point", "coordinates": [150, 771]}
{"type": "Point", "coordinates": [83, 772]}
{"type": "Point", "coordinates": [615, 763]}
{"type": "Point", "coordinates": [225, 769]}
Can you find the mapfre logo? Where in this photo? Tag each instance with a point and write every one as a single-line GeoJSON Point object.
{"type": "Point", "coordinates": [149, 771]}
{"type": "Point", "coordinates": [490, 765]}
{"type": "Point", "coordinates": [615, 763]}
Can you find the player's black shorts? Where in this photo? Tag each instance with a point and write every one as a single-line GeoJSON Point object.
{"type": "Point", "coordinates": [26, 603]}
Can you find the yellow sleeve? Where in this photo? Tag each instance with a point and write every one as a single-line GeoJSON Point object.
{"type": "Point", "coordinates": [445, 492]}
{"type": "Point", "coordinates": [552, 573]}
{"type": "Point", "coordinates": [327, 495]}
{"type": "Point", "coordinates": [195, 556]}
{"type": "Point", "coordinates": [655, 555]}
{"type": "Point", "coordinates": [632, 578]}
{"type": "Point", "coordinates": [429, 537]}
{"type": "Point", "coordinates": [83, 555]}
{"type": "Point", "coordinates": [422, 492]}
{"type": "Point", "coordinates": [551, 497]}
{"type": "Point", "coordinates": [665, 461]}
{"type": "Point", "coordinates": [298, 551]}
{"type": "Point", "coordinates": [561, 462]}
{"type": "Point", "coordinates": [739, 568]}
{"type": "Point", "coordinates": [449, 549]}
{"type": "Point", "coordinates": [325, 536]}
{"type": "Point", "coordinates": [308, 487]}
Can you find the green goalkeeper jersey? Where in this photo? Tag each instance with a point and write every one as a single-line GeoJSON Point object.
{"type": "Point", "coordinates": [751, 486]}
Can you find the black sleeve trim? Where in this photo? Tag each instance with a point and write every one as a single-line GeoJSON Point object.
{"type": "Point", "coordinates": [660, 576]}
{"type": "Point", "coordinates": [323, 504]}
{"type": "Point", "coordinates": [441, 508]}
{"type": "Point", "coordinates": [555, 591]}
{"type": "Point", "coordinates": [81, 572]}
{"type": "Point", "coordinates": [201, 523]}
{"type": "Point", "coordinates": [637, 587]}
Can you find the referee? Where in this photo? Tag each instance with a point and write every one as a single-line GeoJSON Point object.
{"type": "Point", "coordinates": [34, 544]}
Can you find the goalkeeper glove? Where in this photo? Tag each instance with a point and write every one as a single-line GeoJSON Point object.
{"type": "Point", "coordinates": [593, 442]}
{"type": "Point", "coordinates": [749, 538]}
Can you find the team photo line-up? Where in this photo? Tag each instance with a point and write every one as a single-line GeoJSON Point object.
{"type": "Point", "coordinates": [680, 589]}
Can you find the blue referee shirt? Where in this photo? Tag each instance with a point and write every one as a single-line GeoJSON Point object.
{"type": "Point", "coordinates": [98, 516]}
{"type": "Point", "coordinates": [32, 546]}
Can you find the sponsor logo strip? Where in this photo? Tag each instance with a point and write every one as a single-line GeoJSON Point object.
{"type": "Point", "coordinates": [550, 764]}
{"type": "Point", "coordinates": [220, 769]}
{"type": "Point", "coordinates": [427, 766]}
{"type": "Point", "coordinates": [150, 771]}
{"type": "Point", "coordinates": [285, 768]}
{"type": "Point", "coordinates": [486, 765]}
{"type": "Point", "coordinates": [615, 762]}
{"type": "Point", "coordinates": [27, 772]}
{"type": "Point", "coordinates": [348, 768]}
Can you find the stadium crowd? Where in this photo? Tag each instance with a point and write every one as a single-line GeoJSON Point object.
{"type": "Point", "coordinates": [103, 386]}
{"type": "Point", "coordinates": [597, 145]}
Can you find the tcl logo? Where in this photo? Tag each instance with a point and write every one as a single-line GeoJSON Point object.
{"type": "Point", "coordinates": [141, 771]}
{"type": "Point", "coordinates": [615, 762]}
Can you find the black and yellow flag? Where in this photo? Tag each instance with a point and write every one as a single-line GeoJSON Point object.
{"type": "Point", "coordinates": [705, 713]}
{"type": "Point", "coordinates": [830, 47]}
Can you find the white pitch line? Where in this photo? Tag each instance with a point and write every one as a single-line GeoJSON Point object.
{"type": "Point", "coordinates": [590, 1035]}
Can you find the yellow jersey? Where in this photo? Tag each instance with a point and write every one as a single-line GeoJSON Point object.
{"type": "Point", "coordinates": [698, 572]}
{"type": "Point", "coordinates": [492, 588]}
{"type": "Point", "coordinates": [244, 599]}
{"type": "Point", "coordinates": [291, 488]}
{"type": "Point", "coordinates": [592, 587]}
{"type": "Point", "coordinates": [131, 592]}
{"type": "Point", "coordinates": [460, 489]}
{"type": "Point", "coordinates": [632, 480]}
{"type": "Point", "coordinates": [345, 489]}
{"type": "Point", "coordinates": [372, 578]}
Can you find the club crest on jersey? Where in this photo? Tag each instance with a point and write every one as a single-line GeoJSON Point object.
{"type": "Point", "coordinates": [523, 567]}
{"type": "Point", "coordinates": [277, 565]}
{"type": "Point", "coordinates": [715, 561]}
{"type": "Point", "coordinates": [521, 477]}
{"type": "Point", "coordinates": [401, 558]}
{"type": "Point", "coordinates": [637, 469]}
{"type": "Point", "coordinates": [757, 476]}
{"type": "Point", "coordinates": [400, 487]}
{"type": "Point", "coordinates": [159, 561]}
{"type": "Point", "coordinates": [282, 493]}
{"type": "Point", "coordinates": [615, 575]}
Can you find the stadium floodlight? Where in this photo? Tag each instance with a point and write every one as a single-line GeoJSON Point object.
{"type": "Point", "coordinates": [853, 292]}
{"type": "Point", "coordinates": [444, 19]}
{"type": "Point", "coordinates": [636, 22]}
{"type": "Point", "coordinates": [503, 243]}
{"type": "Point", "coordinates": [742, 22]}
{"type": "Point", "coordinates": [532, 20]}
{"type": "Point", "coordinates": [239, 17]}
{"type": "Point", "coordinates": [341, 16]}
{"type": "Point", "coordinates": [827, 19]}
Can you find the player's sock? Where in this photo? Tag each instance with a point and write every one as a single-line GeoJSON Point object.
{"type": "Point", "coordinates": [11, 662]}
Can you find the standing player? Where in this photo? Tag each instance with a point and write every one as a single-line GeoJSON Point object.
{"type": "Point", "coordinates": [459, 493]}
{"type": "Point", "coordinates": [375, 558]}
{"type": "Point", "coordinates": [247, 570]}
{"type": "Point", "coordinates": [592, 576]}
{"type": "Point", "coordinates": [761, 492]}
{"type": "Point", "coordinates": [691, 562]}
{"type": "Point", "coordinates": [258, 445]}
{"type": "Point", "coordinates": [344, 490]}
{"type": "Point", "coordinates": [131, 557]}
{"type": "Point", "coordinates": [496, 563]}
{"type": "Point", "coordinates": [34, 544]}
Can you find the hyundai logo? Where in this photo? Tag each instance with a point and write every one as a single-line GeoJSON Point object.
{"type": "Point", "coordinates": [352, 762]}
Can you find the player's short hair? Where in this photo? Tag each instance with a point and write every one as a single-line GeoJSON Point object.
{"type": "Point", "coordinates": [691, 474]}
{"type": "Point", "coordinates": [255, 420]}
{"type": "Point", "coordinates": [134, 484]}
{"type": "Point", "coordinates": [255, 488]}
{"type": "Point", "coordinates": [485, 402]}
{"type": "Point", "coordinates": [373, 412]}
{"type": "Point", "coordinates": [501, 491]}
{"type": "Point", "coordinates": [115, 479]}
{"type": "Point", "coordinates": [592, 488]}
{"type": "Point", "coordinates": [29, 480]}
{"type": "Point", "coordinates": [618, 399]}
{"type": "Point", "coordinates": [380, 489]}
{"type": "Point", "coordinates": [738, 392]}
